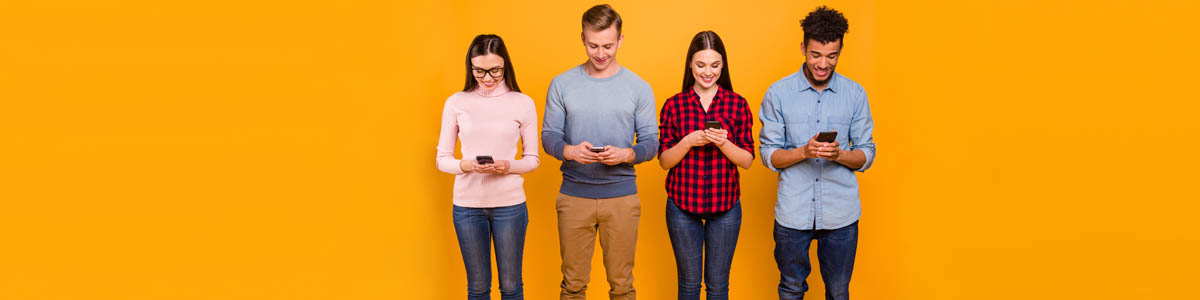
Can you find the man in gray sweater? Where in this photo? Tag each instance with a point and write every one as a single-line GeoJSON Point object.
{"type": "Point", "coordinates": [593, 112]}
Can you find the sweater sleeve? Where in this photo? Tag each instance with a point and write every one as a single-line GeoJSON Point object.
{"type": "Point", "coordinates": [446, 141]}
{"type": "Point", "coordinates": [529, 140]}
{"type": "Point", "coordinates": [646, 126]}
{"type": "Point", "coordinates": [554, 122]}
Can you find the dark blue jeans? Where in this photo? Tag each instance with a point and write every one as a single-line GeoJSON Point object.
{"type": "Point", "coordinates": [835, 254]}
{"type": "Point", "coordinates": [703, 245]}
{"type": "Point", "coordinates": [477, 228]}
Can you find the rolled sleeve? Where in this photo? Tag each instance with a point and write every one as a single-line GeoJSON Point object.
{"type": "Point", "coordinates": [744, 130]}
{"type": "Point", "coordinates": [772, 135]}
{"type": "Point", "coordinates": [861, 131]}
{"type": "Point", "coordinates": [668, 135]}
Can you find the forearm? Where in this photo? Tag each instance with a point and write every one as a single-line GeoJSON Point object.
{"type": "Point", "coordinates": [737, 155]}
{"type": "Point", "coordinates": [784, 158]}
{"type": "Point", "coordinates": [668, 159]}
{"type": "Point", "coordinates": [853, 159]}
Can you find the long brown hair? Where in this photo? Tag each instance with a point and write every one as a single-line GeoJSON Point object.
{"type": "Point", "coordinates": [703, 41]}
{"type": "Point", "coordinates": [485, 44]}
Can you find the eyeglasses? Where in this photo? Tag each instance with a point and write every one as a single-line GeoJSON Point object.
{"type": "Point", "coordinates": [496, 72]}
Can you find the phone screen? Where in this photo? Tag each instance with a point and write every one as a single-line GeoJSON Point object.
{"type": "Point", "coordinates": [712, 125]}
{"type": "Point", "coordinates": [484, 159]}
{"type": "Point", "coordinates": [827, 136]}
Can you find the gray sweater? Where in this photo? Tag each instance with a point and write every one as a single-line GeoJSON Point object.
{"type": "Point", "coordinates": [602, 111]}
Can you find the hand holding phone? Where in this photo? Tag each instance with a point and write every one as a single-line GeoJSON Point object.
{"type": "Point", "coordinates": [596, 149]}
{"type": "Point", "coordinates": [823, 151]}
{"type": "Point", "coordinates": [827, 136]}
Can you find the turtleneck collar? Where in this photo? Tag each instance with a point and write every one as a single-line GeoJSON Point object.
{"type": "Point", "coordinates": [501, 89]}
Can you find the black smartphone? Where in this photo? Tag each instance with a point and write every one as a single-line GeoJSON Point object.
{"type": "Point", "coordinates": [484, 159]}
{"type": "Point", "coordinates": [827, 136]}
{"type": "Point", "coordinates": [712, 125]}
{"type": "Point", "coordinates": [597, 149]}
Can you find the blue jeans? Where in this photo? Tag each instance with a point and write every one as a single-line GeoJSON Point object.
{"type": "Point", "coordinates": [707, 239]}
{"type": "Point", "coordinates": [835, 253]}
{"type": "Point", "coordinates": [477, 228]}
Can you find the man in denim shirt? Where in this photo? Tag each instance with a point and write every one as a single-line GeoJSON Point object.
{"type": "Point", "coordinates": [818, 191]}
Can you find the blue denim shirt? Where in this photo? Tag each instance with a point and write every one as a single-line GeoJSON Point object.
{"type": "Point", "coordinates": [816, 193]}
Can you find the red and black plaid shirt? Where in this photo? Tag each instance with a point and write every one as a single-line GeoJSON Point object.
{"type": "Point", "coordinates": [705, 181]}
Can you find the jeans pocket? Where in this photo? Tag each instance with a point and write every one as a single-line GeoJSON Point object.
{"type": "Point", "coordinates": [845, 233]}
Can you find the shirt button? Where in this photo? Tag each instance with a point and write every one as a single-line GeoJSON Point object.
{"type": "Point", "coordinates": [818, 121]}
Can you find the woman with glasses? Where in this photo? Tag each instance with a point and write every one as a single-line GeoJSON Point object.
{"type": "Point", "coordinates": [705, 136]}
{"type": "Point", "coordinates": [490, 115]}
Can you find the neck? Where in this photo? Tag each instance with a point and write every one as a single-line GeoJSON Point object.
{"type": "Point", "coordinates": [500, 89]}
{"type": "Point", "coordinates": [703, 92]}
{"type": "Point", "coordinates": [611, 70]}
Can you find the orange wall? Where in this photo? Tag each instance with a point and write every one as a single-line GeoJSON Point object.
{"type": "Point", "coordinates": [284, 150]}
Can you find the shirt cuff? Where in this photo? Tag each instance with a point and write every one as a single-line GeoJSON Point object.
{"type": "Point", "coordinates": [766, 158]}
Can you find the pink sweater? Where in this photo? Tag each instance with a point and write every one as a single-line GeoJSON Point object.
{"type": "Point", "coordinates": [489, 124]}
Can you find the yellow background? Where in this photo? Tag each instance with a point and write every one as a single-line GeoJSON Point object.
{"type": "Point", "coordinates": [284, 150]}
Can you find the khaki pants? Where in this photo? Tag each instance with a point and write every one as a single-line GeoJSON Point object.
{"type": "Point", "coordinates": [580, 220]}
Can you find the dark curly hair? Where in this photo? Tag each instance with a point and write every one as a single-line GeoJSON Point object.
{"type": "Point", "coordinates": [824, 25]}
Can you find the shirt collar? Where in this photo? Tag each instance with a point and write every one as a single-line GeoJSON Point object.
{"type": "Point", "coordinates": [804, 84]}
{"type": "Point", "coordinates": [691, 91]}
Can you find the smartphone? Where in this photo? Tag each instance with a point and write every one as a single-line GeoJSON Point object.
{"type": "Point", "coordinates": [597, 149]}
{"type": "Point", "coordinates": [712, 125]}
{"type": "Point", "coordinates": [827, 136]}
{"type": "Point", "coordinates": [484, 159]}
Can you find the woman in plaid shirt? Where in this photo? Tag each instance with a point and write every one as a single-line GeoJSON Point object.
{"type": "Point", "coordinates": [705, 133]}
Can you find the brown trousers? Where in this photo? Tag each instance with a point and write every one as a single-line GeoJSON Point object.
{"type": "Point", "coordinates": [580, 220]}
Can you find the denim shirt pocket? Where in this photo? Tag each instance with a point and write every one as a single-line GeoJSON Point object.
{"type": "Point", "coordinates": [841, 123]}
{"type": "Point", "coordinates": [797, 130]}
